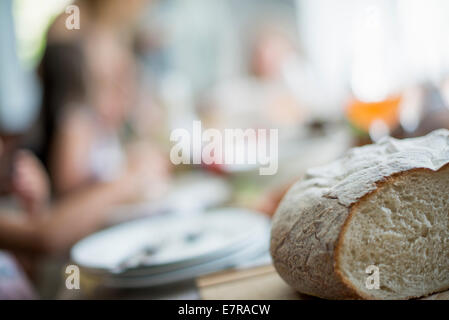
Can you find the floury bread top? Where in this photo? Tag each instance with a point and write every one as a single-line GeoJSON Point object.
{"type": "Point", "coordinates": [357, 172]}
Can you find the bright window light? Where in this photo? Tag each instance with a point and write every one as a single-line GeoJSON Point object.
{"type": "Point", "coordinates": [32, 19]}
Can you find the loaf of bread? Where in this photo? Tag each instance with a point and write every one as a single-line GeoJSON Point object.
{"type": "Point", "coordinates": [380, 212]}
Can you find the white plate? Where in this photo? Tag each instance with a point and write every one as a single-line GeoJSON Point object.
{"type": "Point", "coordinates": [174, 241]}
{"type": "Point", "coordinates": [257, 236]}
{"type": "Point", "coordinates": [256, 251]}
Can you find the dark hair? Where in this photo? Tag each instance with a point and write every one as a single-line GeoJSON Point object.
{"type": "Point", "coordinates": [63, 83]}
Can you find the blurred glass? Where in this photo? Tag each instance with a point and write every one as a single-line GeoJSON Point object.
{"type": "Point", "coordinates": [371, 50]}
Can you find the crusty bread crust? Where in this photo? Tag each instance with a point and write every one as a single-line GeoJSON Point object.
{"type": "Point", "coordinates": [310, 223]}
{"type": "Point", "coordinates": [303, 249]}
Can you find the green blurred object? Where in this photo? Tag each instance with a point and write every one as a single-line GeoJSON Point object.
{"type": "Point", "coordinates": [32, 19]}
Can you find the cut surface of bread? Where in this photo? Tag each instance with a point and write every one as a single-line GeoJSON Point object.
{"type": "Point", "coordinates": [403, 230]}
{"type": "Point", "coordinates": [385, 206]}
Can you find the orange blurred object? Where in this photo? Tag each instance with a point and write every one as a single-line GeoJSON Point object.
{"type": "Point", "coordinates": [362, 114]}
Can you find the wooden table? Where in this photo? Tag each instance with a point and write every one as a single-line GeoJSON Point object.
{"type": "Point", "coordinates": [260, 283]}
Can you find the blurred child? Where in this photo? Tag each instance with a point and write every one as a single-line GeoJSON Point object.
{"type": "Point", "coordinates": [89, 87]}
{"type": "Point", "coordinates": [71, 126]}
{"type": "Point", "coordinates": [88, 93]}
{"type": "Point", "coordinates": [80, 127]}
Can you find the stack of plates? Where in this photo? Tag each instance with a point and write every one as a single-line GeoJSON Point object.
{"type": "Point", "coordinates": [168, 249]}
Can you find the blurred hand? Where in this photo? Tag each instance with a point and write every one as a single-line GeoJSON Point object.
{"type": "Point", "coordinates": [30, 182]}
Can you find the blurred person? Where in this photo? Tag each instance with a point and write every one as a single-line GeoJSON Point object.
{"type": "Point", "coordinates": [271, 49]}
{"type": "Point", "coordinates": [87, 98]}
{"type": "Point", "coordinates": [17, 92]}
{"type": "Point", "coordinates": [33, 226]}
{"type": "Point", "coordinates": [263, 97]}
{"type": "Point", "coordinates": [22, 176]}
{"type": "Point", "coordinates": [90, 88]}
{"type": "Point", "coordinates": [54, 227]}
{"type": "Point", "coordinates": [270, 95]}
{"type": "Point", "coordinates": [80, 141]}
{"type": "Point", "coordinates": [39, 228]}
